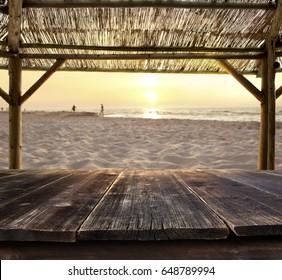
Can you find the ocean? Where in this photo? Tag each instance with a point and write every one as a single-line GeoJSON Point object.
{"type": "Point", "coordinates": [219, 114]}
{"type": "Point", "coordinates": [242, 114]}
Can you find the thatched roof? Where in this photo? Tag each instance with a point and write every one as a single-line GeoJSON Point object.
{"type": "Point", "coordinates": [168, 36]}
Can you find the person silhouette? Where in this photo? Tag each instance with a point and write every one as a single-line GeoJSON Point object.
{"type": "Point", "coordinates": [102, 110]}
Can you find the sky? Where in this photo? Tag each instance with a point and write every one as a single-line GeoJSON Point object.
{"type": "Point", "coordinates": [88, 90]}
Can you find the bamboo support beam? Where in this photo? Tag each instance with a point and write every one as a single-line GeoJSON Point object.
{"type": "Point", "coordinates": [271, 103]}
{"type": "Point", "coordinates": [122, 70]}
{"type": "Point", "coordinates": [140, 48]}
{"type": "Point", "coordinates": [15, 76]}
{"type": "Point", "coordinates": [137, 56]}
{"type": "Point", "coordinates": [241, 79]}
{"type": "Point", "coordinates": [42, 80]}
{"type": "Point", "coordinates": [149, 3]}
{"type": "Point", "coordinates": [5, 96]}
{"type": "Point", "coordinates": [279, 92]}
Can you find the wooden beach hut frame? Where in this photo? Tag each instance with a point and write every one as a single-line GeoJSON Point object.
{"type": "Point", "coordinates": [164, 36]}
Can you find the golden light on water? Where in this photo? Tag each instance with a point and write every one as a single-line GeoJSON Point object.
{"type": "Point", "coordinates": [151, 113]}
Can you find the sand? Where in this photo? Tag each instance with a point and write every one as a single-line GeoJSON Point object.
{"type": "Point", "coordinates": [85, 140]}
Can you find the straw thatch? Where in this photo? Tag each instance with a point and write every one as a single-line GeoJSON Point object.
{"type": "Point", "coordinates": [191, 38]}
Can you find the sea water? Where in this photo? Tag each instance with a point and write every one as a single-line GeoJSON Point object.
{"type": "Point", "coordinates": [243, 114]}
{"type": "Point", "coordinates": [219, 114]}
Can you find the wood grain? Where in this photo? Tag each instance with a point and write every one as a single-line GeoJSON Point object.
{"type": "Point", "coordinates": [55, 212]}
{"type": "Point", "coordinates": [151, 205]}
{"type": "Point", "coordinates": [269, 182]}
{"type": "Point", "coordinates": [248, 211]}
{"type": "Point", "coordinates": [21, 183]}
{"type": "Point", "coordinates": [108, 204]}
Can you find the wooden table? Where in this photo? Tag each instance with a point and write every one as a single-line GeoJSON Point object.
{"type": "Point", "coordinates": [140, 214]}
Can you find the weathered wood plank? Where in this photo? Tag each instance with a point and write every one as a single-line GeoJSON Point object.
{"type": "Point", "coordinates": [55, 212]}
{"type": "Point", "coordinates": [10, 172]}
{"type": "Point", "coordinates": [274, 172]}
{"type": "Point", "coordinates": [271, 183]}
{"type": "Point", "coordinates": [246, 210]}
{"type": "Point", "coordinates": [24, 182]}
{"type": "Point", "coordinates": [151, 205]}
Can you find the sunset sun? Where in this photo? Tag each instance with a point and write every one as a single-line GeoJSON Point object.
{"type": "Point", "coordinates": [151, 97]}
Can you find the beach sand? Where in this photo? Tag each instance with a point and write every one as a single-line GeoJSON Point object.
{"type": "Point", "coordinates": [85, 140]}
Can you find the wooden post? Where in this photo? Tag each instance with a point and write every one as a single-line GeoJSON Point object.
{"type": "Point", "coordinates": [263, 143]}
{"type": "Point", "coordinates": [268, 88]}
{"type": "Point", "coordinates": [271, 93]}
{"type": "Point", "coordinates": [15, 114]}
{"type": "Point", "coordinates": [15, 73]}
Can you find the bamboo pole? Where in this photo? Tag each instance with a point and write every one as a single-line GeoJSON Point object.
{"type": "Point", "coordinates": [269, 77]}
{"type": "Point", "coordinates": [138, 56]}
{"type": "Point", "coordinates": [263, 138]}
{"type": "Point", "coordinates": [15, 77]}
{"type": "Point", "coordinates": [148, 3]}
{"type": "Point", "coordinates": [271, 104]}
{"type": "Point", "coordinates": [15, 114]}
{"type": "Point", "coordinates": [155, 49]}
{"type": "Point", "coordinates": [279, 92]}
{"type": "Point", "coordinates": [241, 79]}
{"type": "Point", "coordinates": [121, 70]}
{"type": "Point", "coordinates": [42, 80]}
{"type": "Point", "coordinates": [5, 96]}
{"type": "Point", "coordinates": [140, 48]}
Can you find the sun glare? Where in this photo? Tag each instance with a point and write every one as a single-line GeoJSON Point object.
{"type": "Point", "coordinates": [151, 97]}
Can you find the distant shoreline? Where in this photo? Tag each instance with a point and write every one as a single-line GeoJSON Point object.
{"type": "Point", "coordinates": [222, 115]}
{"type": "Point", "coordinates": [57, 113]}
